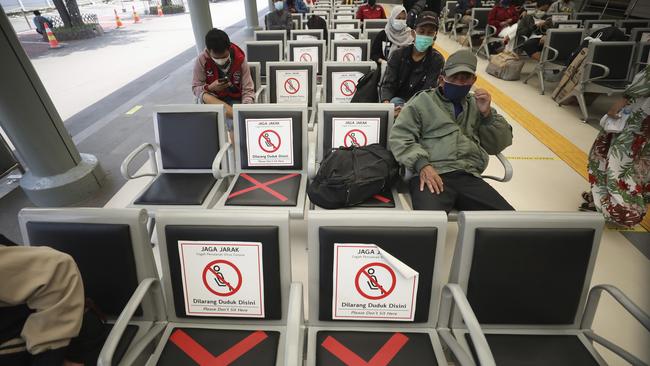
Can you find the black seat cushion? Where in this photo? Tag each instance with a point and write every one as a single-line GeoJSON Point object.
{"type": "Point", "coordinates": [411, 348]}
{"type": "Point", "coordinates": [613, 84]}
{"type": "Point", "coordinates": [537, 350]}
{"type": "Point", "coordinates": [192, 346]}
{"type": "Point", "coordinates": [384, 199]}
{"type": "Point", "coordinates": [265, 189]}
{"type": "Point", "coordinates": [178, 189]}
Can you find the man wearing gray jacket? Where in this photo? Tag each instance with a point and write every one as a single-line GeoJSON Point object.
{"type": "Point", "coordinates": [446, 135]}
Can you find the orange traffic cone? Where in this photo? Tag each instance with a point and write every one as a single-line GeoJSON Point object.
{"type": "Point", "coordinates": [118, 22]}
{"type": "Point", "coordinates": [136, 18]}
{"type": "Point", "coordinates": [50, 37]}
{"type": "Point", "coordinates": [160, 13]}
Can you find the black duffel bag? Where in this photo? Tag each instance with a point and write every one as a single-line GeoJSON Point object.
{"type": "Point", "coordinates": [349, 176]}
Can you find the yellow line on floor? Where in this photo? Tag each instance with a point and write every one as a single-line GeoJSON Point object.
{"type": "Point", "coordinates": [560, 145]}
{"type": "Point", "coordinates": [133, 110]}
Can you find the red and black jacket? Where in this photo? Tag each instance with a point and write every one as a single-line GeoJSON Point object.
{"type": "Point", "coordinates": [213, 73]}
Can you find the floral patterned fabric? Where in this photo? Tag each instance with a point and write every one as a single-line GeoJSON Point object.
{"type": "Point", "coordinates": [619, 163]}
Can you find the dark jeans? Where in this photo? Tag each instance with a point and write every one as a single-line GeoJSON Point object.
{"type": "Point", "coordinates": [462, 192]}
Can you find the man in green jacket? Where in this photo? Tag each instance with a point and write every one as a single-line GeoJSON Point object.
{"type": "Point", "coordinates": [446, 135]}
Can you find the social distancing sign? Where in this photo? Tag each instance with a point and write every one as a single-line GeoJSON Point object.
{"type": "Point", "coordinates": [371, 284]}
{"type": "Point", "coordinates": [345, 26]}
{"type": "Point", "coordinates": [269, 142]}
{"type": "Point", "coordinates": [349, 54]}
{"type": "Point", "coordinates": [356, 132]}
{"type": "Point", "coordinates": [344, 85]}
{"type": "Point", "coordinates": [342, 36]}
{"type": "Point", "coordinates": [291, 86]}
{"type": "Point", "coordinates": [306, 54]}
{"type": "Point", "coordinates": [306, 37]}
{"type": "Point", "coordinates": [222, 278]}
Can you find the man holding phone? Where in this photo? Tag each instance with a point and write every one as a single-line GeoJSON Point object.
{"type": "Point", "coordinates": [222, 75]}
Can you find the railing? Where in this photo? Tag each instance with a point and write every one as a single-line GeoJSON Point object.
{"type": "Point", "coordinates": [86, 18]}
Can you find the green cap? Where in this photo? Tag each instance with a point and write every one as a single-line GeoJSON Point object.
{"type": "Point", "coordinates": [460, 61]}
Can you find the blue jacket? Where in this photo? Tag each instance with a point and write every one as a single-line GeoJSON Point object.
{"type": "Point", "coordinates": [464, 5]}
{"type": "Point", "coordinates": [301, 7]}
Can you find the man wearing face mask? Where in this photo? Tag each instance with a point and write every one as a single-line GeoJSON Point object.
{"type": "Point", "coordinates": [413, 68]}
{"type": "Point", "coordinates": [221, 74]}
{"type": "Point", "coordinates": [446, 135]}
{"type": "Point", "coordinates": [371, 10]}
{"type": "Point", "coordinates": [279, 19]}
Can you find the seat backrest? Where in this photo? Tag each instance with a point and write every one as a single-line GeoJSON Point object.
{"type": "Point", "coordinates": [525, 269]}
{"type": "Point", "coordinates": [346, 24]}
{"type": "Point", "coordinates": [307, 35]}
{"type": "Point", "coordinates": [110, 246]}
{"type": "Point", "coordinates": [343, 35]}
{"type": "Point", "coordinates": [358, 124]}
{"type": "Point", "coordinates": [271, 35]}
{"type": "Point", "coordinates": [586, 16]}
{"type": "Point", "coordinates": [480, 14]}
{"type": "Point", "coordinates": [375, 23]}
{"type": "Point", "coordinates": [592, 25]}
{"type": "Point", "coordinates": [256, 74]}
{"type": "Point", "coordinates": [642, 58]}
{"type": "Point", "coordinates": [630, 24]}
{"type": "Point", "coordinates": [361, 268]}
{"type": "Point", "coordinates": [617, 56]}
{"type": "Point", "coordinates": [640, 35]}
{"type": "Point", "coordinates": [451, 9]}
{"type": "Point", "coordinates": [297, 18]}
{"type": "Point", "coordinates": [270, 137]}
{"type": "Point", "coordinates": [565, 41]}
{"type": "Point", "coordinates": [350, 51]}
{"type": "Point", "coordinates": [291, 83]}
{"type": "Point", "coordinates": [568, 24]}
{"type": "Point", "coordinates": [225, 267]}
{"type": "Point", "coordinates": [263, 52]}
{"type": "Point", "coordinates": [340, 79]}
{"type": "Point", "coordinates": [308, 51]}
{"type": "Point", "coordinates": [189, 136]}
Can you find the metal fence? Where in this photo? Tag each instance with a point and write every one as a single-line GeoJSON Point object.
{"type": "Point", "coordinates": [86, 18]}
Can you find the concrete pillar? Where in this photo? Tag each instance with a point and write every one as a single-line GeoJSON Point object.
{"type": "Point", "coordinates": [201, 21]}
{"type": "Point", "coordinates": [251, 14]}
{"type": "Point", "coordinates": [57, 174]}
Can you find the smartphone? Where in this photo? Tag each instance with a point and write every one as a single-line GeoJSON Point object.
{"type": "Point", "coordinates": [223, 80]}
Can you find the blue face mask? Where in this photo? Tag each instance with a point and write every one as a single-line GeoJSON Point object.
{"type": "Point", "coordinates": [455, 92]}
{"type": "Point", "coordinates": [422, 43]}
{"type": "Point", "coordinates": [279, 5]}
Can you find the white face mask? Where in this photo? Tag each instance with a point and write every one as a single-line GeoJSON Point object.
{"type": "Point", "coordinates": [221, 61]}
{"type": "Point", "coordinates": [399, 24]}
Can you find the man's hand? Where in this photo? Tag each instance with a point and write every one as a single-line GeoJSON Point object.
{"type": "Point", "coordinates": [430, 178]}
{"type": "Point", "coordinates": [483, 102]}
{"type": "Point", "coordinates": [616, 107]}
{"type": "Point", "coordinates": [217, 87]}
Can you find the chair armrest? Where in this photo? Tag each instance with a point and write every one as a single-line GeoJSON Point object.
{"type": "Point", "coordinates": [218, 160]}
{"type": "Point", "coordinates": [311, 164]}
{"type": "Point", "coordinates": [260, 95]}
{"type": "Point", "coordinates": [406, 174]}
{"type": "Point", "coordinates": [604, 75]}
{"type": "Point", "coordinates": [151, 150]}
{"type": "Point", "coordinates": [490, 30]}
{"type": "Point", "coordinates": [626, 302]}
{"type": "Point", "coordinates": [295, 339]}
{"type": "Point", "coordinates": [114, 337]}
{"type": "Point", "coordinates": [507, 170]}
{"type": "Point", "coordinates": [453, 294]}
{"type": "Point", "coordinates": [556, 53]}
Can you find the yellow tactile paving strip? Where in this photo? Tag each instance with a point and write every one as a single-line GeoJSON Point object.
{"type": "Point", "coordinates": [560, 145]}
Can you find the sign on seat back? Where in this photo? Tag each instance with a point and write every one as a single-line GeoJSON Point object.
{"type": "Point", "coordinates": [413, 246]}
{"type": "Point", "coordinates": [215, 238]}
{"type": "Point", "coordinates": [188, 140]}
{"type": "Point", "coordinates": [528, 276]}
{"type": "Point", "coordinates": [265, 133]}
{"type": "Point", "coordinates": [348, 128]}
{"type": "Point", "coordinates": [103, 253]}
{"type": "Point", "coordinates": [291, 84]}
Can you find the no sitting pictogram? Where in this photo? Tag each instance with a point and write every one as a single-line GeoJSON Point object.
{"type": "Point", "coordinates": [349, 57]}
{"type": "Point", "coordinates": [375, 281]}
{"type": "Point", "coordinates": [292, 85]}
{"type": "Point", "coordinates": [269, 141]}
{"type": "Point", "coordinates": [355, 138]}
{"type": "Point", "coordinates": [348, 88]}
{"type": "Point", "coordinates": [222, 278]}
{"type": "Point", "coordinates": [305, 57]}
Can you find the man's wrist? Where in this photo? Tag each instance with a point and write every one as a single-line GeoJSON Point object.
{"type": "Point", "coordinates": [421, 164]}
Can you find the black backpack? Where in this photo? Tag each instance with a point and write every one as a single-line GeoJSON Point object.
{"type": "Point", "coordinates": [349, 176]}
{"type": "Point", "coordinates": [316, 22]}
{"type": "Point", "coordinates": [368, 88]}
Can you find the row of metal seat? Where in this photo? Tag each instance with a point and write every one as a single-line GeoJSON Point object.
{"type": "Point", "coordinates": [517, 291]}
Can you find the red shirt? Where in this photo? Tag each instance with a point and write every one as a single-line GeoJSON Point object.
{"type": "Point", "coordinates": [370, 12]}
{"type": "Point", "coordinates": [500, 14]}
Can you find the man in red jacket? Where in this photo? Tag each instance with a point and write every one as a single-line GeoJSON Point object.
{"type": "Point", "coordinates": [222, 75]}
{"type": "Point", "coordinates": [371, 10]}
{"type": "Point", "coordinates": [503, 15]}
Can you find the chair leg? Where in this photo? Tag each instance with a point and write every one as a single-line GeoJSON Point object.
{"type": "Point", "coordinates": [532, 73]}
{"type": "Point", "coordinates": [469, 39]}
{"type": "Point", "coordinates": [583, 105]}
{"type": "Point", "coordinates": [540, 74]}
